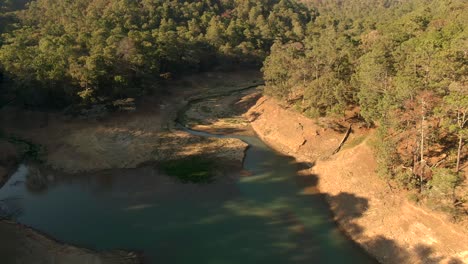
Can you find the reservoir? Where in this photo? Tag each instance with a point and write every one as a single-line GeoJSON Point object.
{"type": "Point", "coordinates": [262, 216]}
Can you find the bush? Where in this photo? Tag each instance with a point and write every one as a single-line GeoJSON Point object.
{"type": "Point", "coordinates": [443, 182]}
{"type": "Point", "coordinates": [407, 179]}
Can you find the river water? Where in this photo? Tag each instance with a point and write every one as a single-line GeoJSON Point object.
{"type": "Point", "coordinates": [265, 217]}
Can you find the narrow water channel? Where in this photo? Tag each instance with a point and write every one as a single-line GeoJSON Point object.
{"type": "Point", "coordinates": [264, 217]}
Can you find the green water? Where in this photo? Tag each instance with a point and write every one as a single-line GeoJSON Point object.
{"type": "Point", "coordinates": [262, 218]}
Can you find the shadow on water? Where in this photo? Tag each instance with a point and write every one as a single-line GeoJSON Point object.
{"type": "Point", "coordinates": [349, 207]}
{"type": "Point", "coordinates": [272, 215]}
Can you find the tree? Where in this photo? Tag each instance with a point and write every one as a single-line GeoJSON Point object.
{"type": "Point", "coordinates": [214, 32]}
{"type": "Point", "coordinates": [118, 48]}
{"type": "Point", "coordinates": [456, 109]}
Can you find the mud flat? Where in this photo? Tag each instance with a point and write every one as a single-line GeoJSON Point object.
{"type": "Point", "coordinates": [373, 213]}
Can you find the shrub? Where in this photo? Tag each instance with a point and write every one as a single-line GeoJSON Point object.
{"type": "Point", "coordinates": [443, 182]}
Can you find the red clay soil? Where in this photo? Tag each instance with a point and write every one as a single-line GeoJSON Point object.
{"type": "Point", "coordinates": [375, 214]}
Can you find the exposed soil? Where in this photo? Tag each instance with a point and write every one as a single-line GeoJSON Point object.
{"type": "Point", "coordinates": [370, 210]}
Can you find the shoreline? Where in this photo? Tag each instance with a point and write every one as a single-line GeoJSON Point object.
{"type": "Point", "coordinates": [142, 131]}
{"type": "Point", "coordinates": [377, 218]}
{"type": "Point", "coordinates": [359, 210]}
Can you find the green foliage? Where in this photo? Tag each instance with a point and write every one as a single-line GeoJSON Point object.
{"type": "Point", "coordinates": [118, 48]}
{"type": "Point", "coordinates": [406, 179]}
{"type": "Point", "coordinates": [441, 193]}
{"type": "Point", "coordinates": [386, 153]}
{"type": "Point", "coordinates": [403, 63]}
{"type": "Point", "coordinates": [455, 108]}
{"type": "Point", "coordinates": [193, 169]}
{"type": "Point", "coordinates": [443, 182]}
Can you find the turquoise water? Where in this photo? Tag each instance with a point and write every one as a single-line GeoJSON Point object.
{"type": "Point", "coordinates": [261, 218]}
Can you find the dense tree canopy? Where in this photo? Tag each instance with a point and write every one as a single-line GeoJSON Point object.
{"type": "Point", "coordinates": [95, 48]}
{"type": "Point", "coordinates": [403, 63]}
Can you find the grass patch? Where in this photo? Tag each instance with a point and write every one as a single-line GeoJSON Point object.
{"type": "Point", "coordinates": [194, 169]}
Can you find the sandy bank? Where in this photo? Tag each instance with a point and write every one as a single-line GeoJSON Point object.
{"type": "Point", "coordinates": [373, 213]}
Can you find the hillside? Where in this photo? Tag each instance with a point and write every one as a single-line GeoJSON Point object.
{"type": "Point", "coordinates": [370, 209]}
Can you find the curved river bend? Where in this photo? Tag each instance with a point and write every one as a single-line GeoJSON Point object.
{"type": "Point", "coordinates": [261, 218]}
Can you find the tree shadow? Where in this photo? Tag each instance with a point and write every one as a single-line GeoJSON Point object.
{"type": "Point", "coordinates": [275, 214]}
{"type": "Point", "coordinates": [347, 207]}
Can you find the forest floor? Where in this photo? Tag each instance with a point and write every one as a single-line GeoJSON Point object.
{"type": "Point", "coordinates": [373, 212]}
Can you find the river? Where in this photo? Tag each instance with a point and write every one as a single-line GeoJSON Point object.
{"type": "Point", "coordinates": [262, 217]}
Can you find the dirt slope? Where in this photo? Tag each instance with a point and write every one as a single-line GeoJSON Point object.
{"type": "Point", "coordinates": [373, 213]}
